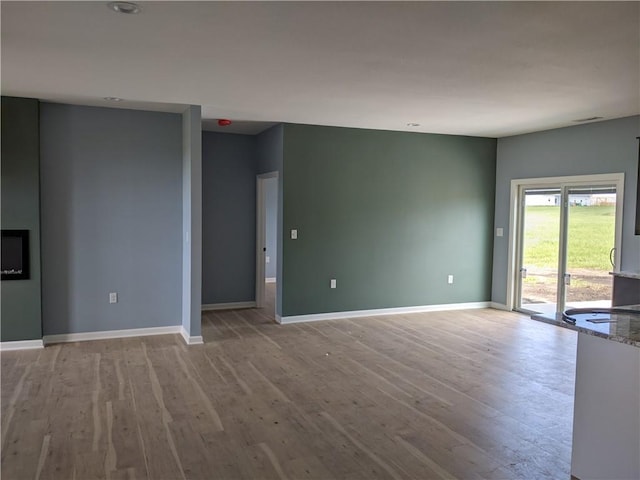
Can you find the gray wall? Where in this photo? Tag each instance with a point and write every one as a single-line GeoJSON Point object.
{"type": "Point", "coordinates": [228, 218]}
{"type": "Point", "coordinates": [21, 306]}
{"type": "Point", "coordinates": [387, 214]}
{"type": "Point", "coordinates": [271, 226]}
{"type": "Point", "coordinates": [602, 147]}
{"type": "Point", "coordinates": [270, 157]}
{"type": "Point", "coordinates": [269, 149]}
{"type": "Point", "coordinates": [111, 189]}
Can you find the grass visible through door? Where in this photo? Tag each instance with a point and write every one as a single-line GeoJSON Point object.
{"type": "Point", "coordinates": [589, 243]}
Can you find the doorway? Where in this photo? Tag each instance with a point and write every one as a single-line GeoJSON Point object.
{"type": "Point", "coordinates": [567, 241]}
{"type": "Point", "coordinates": [266, 240]}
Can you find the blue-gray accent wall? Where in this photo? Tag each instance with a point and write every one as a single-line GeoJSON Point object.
{"type": "Point", "coordinates": [228, 218]}
{"type": "Point", "coordinates": [20, 304]}
{"type": "Point", "coordinates": [111, 191]}
{"type": "Point", "coordinates": [596, 148]}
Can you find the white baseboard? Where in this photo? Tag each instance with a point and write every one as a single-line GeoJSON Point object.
{"type": "Point", "coordinates": [228, 306]}
{"type": "Point", "coordinates": [105, 335]}
{"type": "Point", "coordinates": [191, 340]}
{"type": "Point", "coordinates": [270, 280]}
{"type": "Point", "coordinates": [498, 306]}
{"type": "Point", "coordinates": [131, 332]}
{"type": "Point", "coordinates": [21, 345]}
{"type": "Point", "coordinates": [381, 311]}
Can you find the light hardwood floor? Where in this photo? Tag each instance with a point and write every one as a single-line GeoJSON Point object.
{"type": "Point", "coordinates": [469, 395]}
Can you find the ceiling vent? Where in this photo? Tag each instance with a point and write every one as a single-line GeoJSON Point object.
{"type": "Point", "coordinates": [589, 119]}
{"type": "Point", "coordinates": [128, 8]}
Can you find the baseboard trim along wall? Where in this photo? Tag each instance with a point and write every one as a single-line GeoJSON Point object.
{"type": "Point", "coordinates": [21, 345]}
{"type": "Point", "coordinates": [498, 306]}
{"type": "Point", "coordinates": [380, 311]}
{"type": "Point", "coordinates": [228, 306]}
{"type": "Point", "coordinates": [270, 280]}
{"type": "Point", "coordinates": [195, 340]}
{"type": "Point", "coordinates": [131, 332]}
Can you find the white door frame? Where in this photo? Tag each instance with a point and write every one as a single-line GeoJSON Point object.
{"type": "Point", "coordinates": [261, 226]}
{"type": "Point", "coordinates": [515, 218]}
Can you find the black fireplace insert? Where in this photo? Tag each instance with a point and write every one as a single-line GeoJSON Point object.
{"type": "Point", "coordinates": [15, 254]}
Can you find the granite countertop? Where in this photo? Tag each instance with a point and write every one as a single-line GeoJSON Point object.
{"type": "Point", "coordinates": [625, 327]}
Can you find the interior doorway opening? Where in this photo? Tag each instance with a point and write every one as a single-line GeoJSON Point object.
{"type": "Point", "coordinates": [267, 282]}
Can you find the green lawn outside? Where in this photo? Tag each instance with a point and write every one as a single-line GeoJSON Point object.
{"type": "Point", "coordinates": [591, 236]}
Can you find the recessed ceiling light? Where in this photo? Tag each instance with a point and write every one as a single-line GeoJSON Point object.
{"type": "Point", "coordinates": [589, 119]}
{"type": "Point", "coordinates": [113, 99]}
{"type": "Point", "coordinates": [124, 7]}
{"type": "Point", "coordinates": [411, 124]}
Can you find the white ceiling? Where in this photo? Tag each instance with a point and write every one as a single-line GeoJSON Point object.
{"type": "Point", "coordinates": [471, 68]}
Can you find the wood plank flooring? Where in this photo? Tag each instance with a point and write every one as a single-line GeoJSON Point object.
{"type": "Point", "coordinates": [470, 395]}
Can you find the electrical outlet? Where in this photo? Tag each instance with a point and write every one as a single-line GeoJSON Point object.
{"type": "Point", "coordinates": [267, 259]}
{"type": "Point", "coordinates": [294, 234]}
{"type": "Point", "coordinates": [333, 283]}
{"type": "Point", "coordinates": [113, 297]}
{"type": "Point", "coordinates": [450, 279]}
{"type": "Point", "coordinates": [499, 232]}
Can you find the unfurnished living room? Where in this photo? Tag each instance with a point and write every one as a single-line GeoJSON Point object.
{"type": "Point", "coordinates": [320, 240]}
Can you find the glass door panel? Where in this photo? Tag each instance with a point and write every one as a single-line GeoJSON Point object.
{"type": "Point", "coordinates": [540, 249]}
{"type": "Point", "coordinates": [590, 237]}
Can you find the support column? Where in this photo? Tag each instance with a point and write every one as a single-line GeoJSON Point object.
{"type": "Point", "coordinates": [192, 225]}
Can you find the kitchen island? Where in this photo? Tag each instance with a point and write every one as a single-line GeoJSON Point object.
{"type": "Point", "coordinates": [606, 418]}
{"type": "Point", "coordinates": [626, 288]}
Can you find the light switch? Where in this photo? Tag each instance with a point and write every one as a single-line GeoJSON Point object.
{"type": "Point", "coordinates": [333, 283]}
{"type": "Point", "coordinates": [294, 234]}
{"type": "Point", "coordinates": [450, 279]}
{"type": "Point", "coordinates": [113, 297]}
{"type": "Point", "coordinates": [499, 232]}
{"type": "Point", "coordinates": [267, 259]}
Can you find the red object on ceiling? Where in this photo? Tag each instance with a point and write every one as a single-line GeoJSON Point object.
{"type": "Point", "coordinates": [224, 122]}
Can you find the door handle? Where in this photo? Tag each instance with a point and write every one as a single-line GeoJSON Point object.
{"type": "Point", "coordinates": [612, 257]}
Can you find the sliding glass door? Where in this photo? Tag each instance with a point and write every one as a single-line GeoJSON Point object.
{"type": "Point", "coordinates": [590, 232]}
{"type": "Point", "coordinates": [540, 247]}
{"type": "Point", "coordinates": [566, 240]}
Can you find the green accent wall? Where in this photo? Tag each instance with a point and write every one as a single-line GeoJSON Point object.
{"type": "Point", "coordinates": [388, 215]}
{"type": "Point", "coordinates": [20, 172]}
